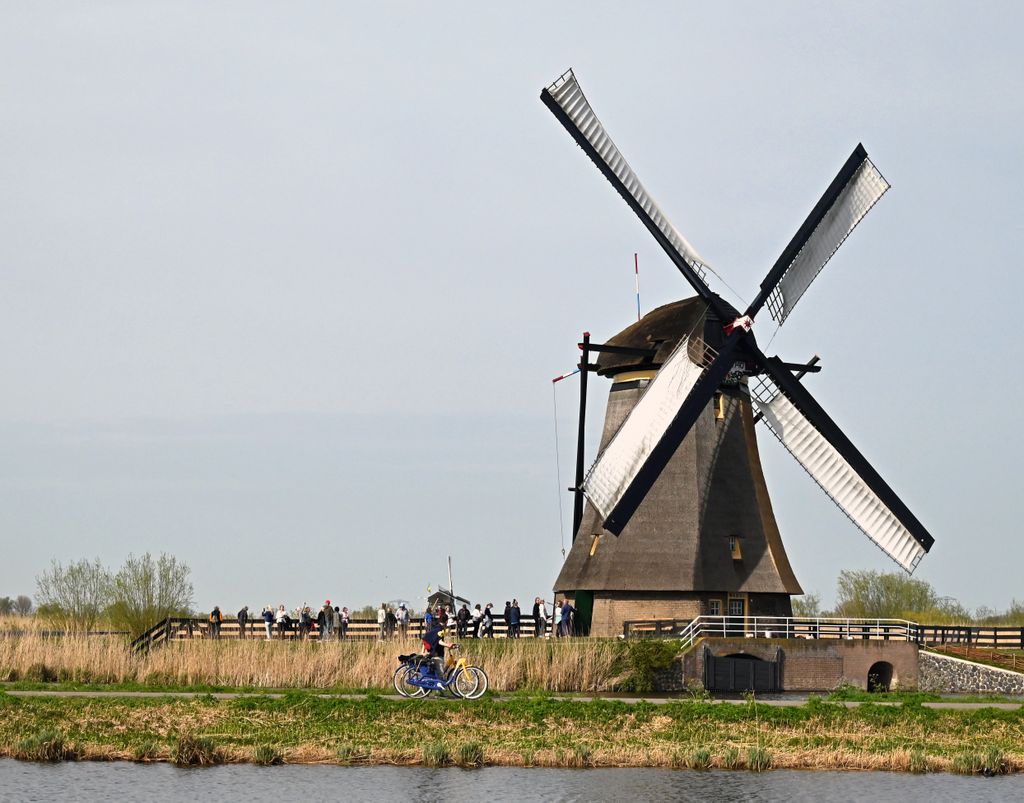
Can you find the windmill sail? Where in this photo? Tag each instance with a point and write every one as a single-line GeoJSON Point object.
{"type": "Point", "coordinates": [566, 99]}
{"type": "Point", "coordinates": [839, 469]}
{"type": "Point", "coordinates": [853, 192]}
{"type": "Point", "coordinates": [618, 465]}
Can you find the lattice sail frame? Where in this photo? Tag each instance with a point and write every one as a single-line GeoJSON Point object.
{"type": "Point", "coordinates": [862, 191]}
{"type": "Point", "coordinates": [645, 425]}
{"type": "Point", "coordinates": [835, 476]}
{"type": "Point", "coordinates": [567, 92]}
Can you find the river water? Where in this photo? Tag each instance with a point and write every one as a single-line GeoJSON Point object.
{"type": "Point", "coordinates": [123, 781]}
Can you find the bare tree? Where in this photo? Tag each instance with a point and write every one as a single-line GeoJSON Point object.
{"type": "Point", "coordinates": [23, 605]}
{"type": "Point", "coordinates": [146, 591]}
{"type": "Point", "coordinates": [74, 596]}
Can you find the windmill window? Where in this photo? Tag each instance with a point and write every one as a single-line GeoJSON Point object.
{"type": "Point", "coordinates": [737, 606]}
{"type": "Point", "coordinates": [714, 607]}
{"type": "Point", "coordinates": [734, 547]}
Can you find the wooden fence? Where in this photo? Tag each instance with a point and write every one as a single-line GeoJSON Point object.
{"type": "Point", "coordinates": [184, 628]}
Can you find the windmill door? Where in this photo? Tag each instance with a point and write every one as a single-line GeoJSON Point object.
{"type": "Point", "coordinates": [584, 612]}
{"type": "Point", "coordinates": [741, 673]}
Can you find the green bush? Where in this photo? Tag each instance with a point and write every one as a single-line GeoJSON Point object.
{"type": "Point", "coordinates": [643, 658]}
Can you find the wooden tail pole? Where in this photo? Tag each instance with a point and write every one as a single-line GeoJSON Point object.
{"type": "Point", "coordinates": [577, 508]}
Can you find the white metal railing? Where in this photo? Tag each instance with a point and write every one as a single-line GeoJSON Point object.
{"type": "Point", "coordinates": [819, 627]}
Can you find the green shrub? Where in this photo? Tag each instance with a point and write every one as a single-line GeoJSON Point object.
{"type": "Point", "coordinates": [643, 658]}
{"type": "Point", "coordinates": [195, 751]}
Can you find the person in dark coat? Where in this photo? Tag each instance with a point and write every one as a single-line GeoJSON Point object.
{"type": "Point", "coordinates": [243, 620]}
{"type": "Point", "coordinates": [462, 617]}
{"type": "Point", "coordinates": [215, 619]}
{"type": "Point", "coordinates": [538, 624]}
{"type": "Point", "coordinates": [507, 615]}
{"type": "Point", "coordinates": [515, 615]}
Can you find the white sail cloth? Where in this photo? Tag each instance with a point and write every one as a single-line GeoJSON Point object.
{"type": "Point", "coordinates": [617, 466]}
{"type": "Point", "coordinates": [837, 478]}
{"type": "Point", "coordinates": [861, 192]}
{"type": "Point", "coordinates": [568, 94]}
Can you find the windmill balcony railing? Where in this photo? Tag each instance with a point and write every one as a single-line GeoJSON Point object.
{"type": "Point", "coordinates": [779, 627]}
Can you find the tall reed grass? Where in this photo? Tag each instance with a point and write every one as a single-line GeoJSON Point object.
{"type": "Point", "coordinates": [557, 666]}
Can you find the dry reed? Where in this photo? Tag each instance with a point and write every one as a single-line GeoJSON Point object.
{"type": "Point", "coordinates": [556, 666]}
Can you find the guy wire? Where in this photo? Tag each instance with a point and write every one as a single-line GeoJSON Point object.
{"type": "Point", "coordinates": [558, 470]}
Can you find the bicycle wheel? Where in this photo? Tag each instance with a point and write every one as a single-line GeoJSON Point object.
{"type": "Point", "coordinates": [402, 685]}
{"type": "Point", "coordinates": [465, 683]}
{"type": "Point", "coordinates": [482, 682]}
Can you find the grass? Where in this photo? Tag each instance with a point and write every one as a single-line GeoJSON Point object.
{"type": "Point", "coordinates": [267, 755]}
{"type": "Point", "coordinates": [191, 750]}
{"type": "Point", "coordinates": [45, 745]}
{"type": "Point", "coordinates": [519, 731]}
{"type": "Point", "coordinates": [435, 754]}
{"type": "Point", "coordinates": [470, 754]}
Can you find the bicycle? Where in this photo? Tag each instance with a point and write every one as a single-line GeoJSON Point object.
{"type": "Point", "coordinates": [417, 677]}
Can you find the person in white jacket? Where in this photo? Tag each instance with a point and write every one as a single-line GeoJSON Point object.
{"type": "Point", "coordinates": [382, 617]}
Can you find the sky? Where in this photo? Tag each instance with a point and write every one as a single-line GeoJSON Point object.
{"type": "Point", "coordinates": [283, 286]}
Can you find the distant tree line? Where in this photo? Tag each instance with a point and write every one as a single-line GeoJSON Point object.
{"type": "Point", "coordinates": [20, 605]}
{"type": "Point", "coordinates": [892, 595]}
{"type": "Point", "coordinates": [144, 591]}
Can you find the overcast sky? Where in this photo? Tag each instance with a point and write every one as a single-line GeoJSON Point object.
{"type": "Point", "coordinates": [283, 286]}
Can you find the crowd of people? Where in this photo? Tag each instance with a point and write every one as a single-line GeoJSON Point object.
{"type": "Point", "coordinates": [331, 623]}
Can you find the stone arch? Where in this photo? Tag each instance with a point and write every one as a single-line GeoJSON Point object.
{"type": "Point", "coordinates": [880, 676]}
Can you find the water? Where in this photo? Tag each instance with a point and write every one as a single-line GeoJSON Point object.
{"type": "Point", "coordinates": [122, 781]}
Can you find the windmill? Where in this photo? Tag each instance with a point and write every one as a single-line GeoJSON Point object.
{"type": "Point", "coordinates": [678, 475]}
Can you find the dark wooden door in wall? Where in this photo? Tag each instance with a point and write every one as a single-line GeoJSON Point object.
{"type": "Point", "coordinates": [740, 673]}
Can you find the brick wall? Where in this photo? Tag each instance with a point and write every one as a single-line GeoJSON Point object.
{"type": "Point", "coordinates": [611, 611]}
{"type": "Point", "coordinates": [817, 664]}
